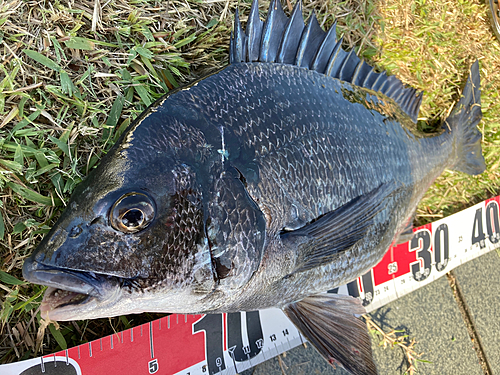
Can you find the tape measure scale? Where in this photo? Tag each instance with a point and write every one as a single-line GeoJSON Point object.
{"type": "Point", "coordinates": [230, 343]}
{"type": "Point", "coordinates": [176, 344]}
{"type": "Point", "coordinates": [434, 250]}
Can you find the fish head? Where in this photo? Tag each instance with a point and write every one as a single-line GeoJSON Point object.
{"type": "Point", "coordinates": [131, 239]}
{"type": "Point", "coordinates": [163, 224]}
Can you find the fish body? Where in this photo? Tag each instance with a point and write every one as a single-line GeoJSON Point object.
{"type": "Point", "coordinates": [258, 186]}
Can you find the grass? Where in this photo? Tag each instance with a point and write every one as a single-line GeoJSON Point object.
{"type": "Point", "coordinates": [74, 74]}
{"type": "Point", "coordinates": [421, 45]}
{"type": "Point", "coordinates": [393, 339]}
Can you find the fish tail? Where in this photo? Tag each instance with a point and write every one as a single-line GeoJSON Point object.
{"type": "Point", "coordinates": [463, 121]}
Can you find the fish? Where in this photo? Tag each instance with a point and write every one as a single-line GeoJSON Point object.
{"type": "Point", "coordinates": [289, 172]}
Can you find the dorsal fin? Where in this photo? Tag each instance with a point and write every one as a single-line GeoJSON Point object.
{"type": "Point", "coordinates": [290, 41]}
{"type": "Point", "coordinates": [311, 39]}
{"type": "Point", "coordinates": [254, 33]}
{"type": "Point", "coordinates": [291, 36]}
{"type": "Point", "coordinates": [273, 31]}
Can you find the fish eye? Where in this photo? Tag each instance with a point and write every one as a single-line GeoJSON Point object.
{"type": "Point", "coordinates": [132, 213]}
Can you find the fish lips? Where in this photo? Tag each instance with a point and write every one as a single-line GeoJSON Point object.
{"type": "Point", "coordinates": [72, 281]}
{"type": "Point", "coordinates": [71, 294]}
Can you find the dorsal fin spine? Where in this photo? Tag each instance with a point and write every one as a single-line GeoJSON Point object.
{"type": "Point", "coordinates": [324, 51]}
{"type": "Point", "coordinates": [333, 56]}
{"type": "Point", "coordinates": [398, 95]}
{"type": "Point", "coordinates": [291, 37]}
{"type": "Point", "coordinates": [254, 33]}
{"type": "Point", "coordinates": [405, 100]}
{"type": "Point", "coordinates": [231, 48]}
{"type": "Point", "coordinates": [301, 49]}
{"type": "Point", "coordinates": [416, 104]}
{"type": "Point", "coordinates": [336, 59]}
{"type": "Point", "coordinates": [272, 32]}
{"type": "Point", "coordinates": [289, 41]}
{"type": "Point", "coordinates": [383, 85]}
{"type": "Point", "coordinates": [362, 72]}
{"type": "Point", "coordinates": [379, 81]}
{"type": "Point", "coordinates": [390, 86]}
{"type": "Point", "coordinates": [238, 40]}
{"type": "Point", "coordinates": [311, 42]}
{"type": "Point", "coordinates": [350, 63]}
{"type": "Point", "coordinates": [356, 75]}
{"type": "Point", "coordinates": [370, 78]}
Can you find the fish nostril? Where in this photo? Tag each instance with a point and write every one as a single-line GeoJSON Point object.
{"type": "Point", "coordinates": [75, 231]}
{"type": "Point", "coordinates": [97, 220]}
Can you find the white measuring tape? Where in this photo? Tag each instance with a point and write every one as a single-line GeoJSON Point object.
{"type": "Point", "coordinates": [230, 343]}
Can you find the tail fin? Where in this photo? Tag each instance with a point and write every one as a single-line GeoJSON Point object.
{"type": "Point", "coordinates": [463, 120]}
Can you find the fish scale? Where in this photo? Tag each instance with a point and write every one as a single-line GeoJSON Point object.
{"type": "Point", "coordinates": [290, 149]}
{"type": "Point", "coordinates": [258, 186]}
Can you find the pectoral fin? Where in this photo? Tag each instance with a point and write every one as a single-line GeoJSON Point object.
{"type": "Point", "coordinates": [329, 324]}
{"type": "Point", "coordinates": [336, 231]}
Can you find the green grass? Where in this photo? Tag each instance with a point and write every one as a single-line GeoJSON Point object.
{"type": "Point", "coordinates": [420, 44]}
{"type": "Point", "coordinates": [71, 82]}
{"type": "Point", "coordinates": [66, 94]}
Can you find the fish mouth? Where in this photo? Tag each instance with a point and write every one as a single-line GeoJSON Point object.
{"type": "Point", "coordinates": [55, 298]}
{"type": "Point", "coordinates": [68, 290]}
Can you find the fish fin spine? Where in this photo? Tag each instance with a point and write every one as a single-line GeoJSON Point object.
{"type": "Point", "coordinates": [288, 40]}
{"type": "Point", "coordinates": [463, 121]}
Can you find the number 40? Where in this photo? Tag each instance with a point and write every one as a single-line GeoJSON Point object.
{"type": "Point", "coordinates": [492, 225]}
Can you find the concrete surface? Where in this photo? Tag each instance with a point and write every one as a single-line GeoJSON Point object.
{"type": "Point", "coordinates": [478, 280]}
{"type": "Point", "coordinates": [431, 316]}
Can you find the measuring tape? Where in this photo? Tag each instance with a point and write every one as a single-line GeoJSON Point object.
{"type": "Point", "coordinates": [230, 343]}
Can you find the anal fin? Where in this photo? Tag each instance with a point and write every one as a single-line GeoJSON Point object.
{"type": "Point", "coordinates": [329, 324]}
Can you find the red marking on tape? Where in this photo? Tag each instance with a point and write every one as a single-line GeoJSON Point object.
{"type": "Point", "coordinates": [397, 261]}
{"type": "Point", "coordinates": [497, 199]}
{"type": "Point", "coordinates": [175, 349]}
{"type": "Point", "coordinates": [224, 316]}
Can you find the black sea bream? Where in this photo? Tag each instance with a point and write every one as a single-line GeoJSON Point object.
{"type": "Point", "coordinates": [287, 173]}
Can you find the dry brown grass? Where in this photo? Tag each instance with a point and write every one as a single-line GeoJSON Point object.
{"type": "Point", "coordinates": [431, 45]}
